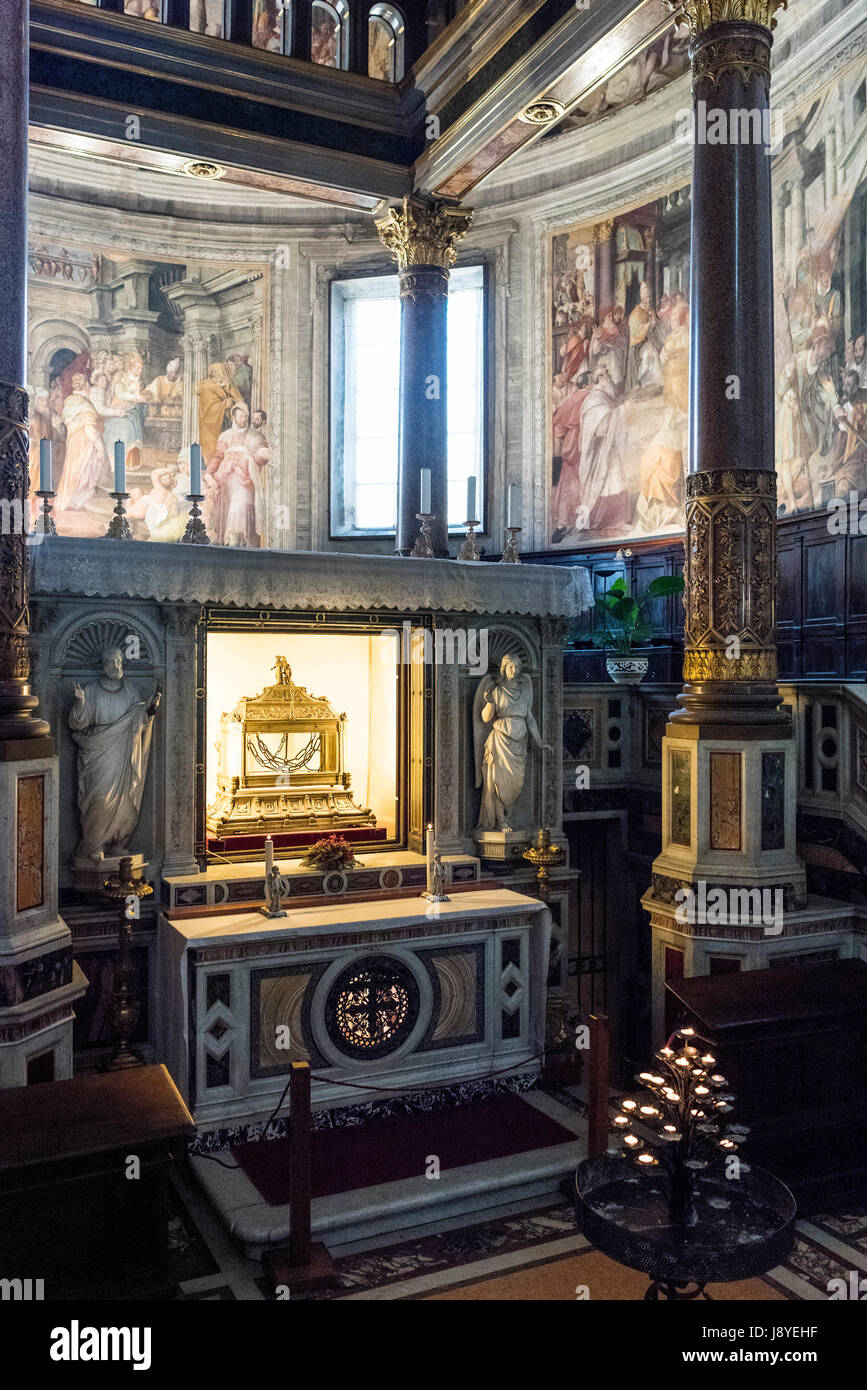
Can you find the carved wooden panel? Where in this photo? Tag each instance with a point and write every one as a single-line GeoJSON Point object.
{"type": "Point", "coordinates": [725, 801]}
{"type": "Point", "coordinates": [30, 836]}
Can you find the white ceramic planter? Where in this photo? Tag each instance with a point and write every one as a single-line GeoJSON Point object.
{"type": "Point", "coordinates": [627, 670]}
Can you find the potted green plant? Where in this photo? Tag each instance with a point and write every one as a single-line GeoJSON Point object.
{"type": "Point", "coordinates": [623, 626]}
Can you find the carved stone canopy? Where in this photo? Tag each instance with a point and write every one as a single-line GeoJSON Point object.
{"type": "Point", "coordinates": [423, 233]}
{"type": "Point", "coordinates": [701, 14]}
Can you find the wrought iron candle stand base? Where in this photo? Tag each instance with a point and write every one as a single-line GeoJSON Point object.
{"type": "Point", "coordinates": [423, 548]}
{"type": "Point", "coordinates": [196, 532]}
{"type": "Point", "coordinates": [511, 554]}
{"type": "Point", "coordinates": [469, 549]}
{"type": "Point", "coordinates": [45, 525]}
{"type": "Point", "coordinates": [125, 1003]}
{"type": "Point", "coordinates": [742, 1228]}
{"type": "Point", "coordinates": [119, 528]}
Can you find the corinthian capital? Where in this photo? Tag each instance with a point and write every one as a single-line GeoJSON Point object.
{"type": "Point", "coordinates": [701, 14]}
{"type": "Point", "coordinates": [420, 233]}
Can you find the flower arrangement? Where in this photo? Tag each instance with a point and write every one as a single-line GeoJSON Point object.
{"type": "Point", "coordinates": [330, 853]}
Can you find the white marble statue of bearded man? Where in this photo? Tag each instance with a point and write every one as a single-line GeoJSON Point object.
{"type": "Point", "coordinates": [112, 728]}
{"type": "Point", "coordinates": [505, 706]}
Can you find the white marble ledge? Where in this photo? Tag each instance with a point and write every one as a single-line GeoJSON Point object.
{"type": "Point", "coordinates": [219, 872]}
{"type": "Point", "coordinates": [303, 580]}
{"type": "Point", "coordinates": [393, 915]}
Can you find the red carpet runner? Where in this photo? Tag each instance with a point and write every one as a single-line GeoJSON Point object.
{"type": "Point", "coordinates": [356, 1156]}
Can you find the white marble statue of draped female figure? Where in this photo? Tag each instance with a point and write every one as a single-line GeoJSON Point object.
{"type": "Point", "coordinates": [505, 706]}
{"type": "Point", "coordinates": [112, 728]}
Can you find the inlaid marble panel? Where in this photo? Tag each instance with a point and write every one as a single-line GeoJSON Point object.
{"type": "Point", "coordinates": [725, 801]}
{"type": "Point", "coordinates": [681, 797]}
{"type": "Point", "coordinates": [30, 842]}
{"type": "Point", "coordinates": [773, 800]}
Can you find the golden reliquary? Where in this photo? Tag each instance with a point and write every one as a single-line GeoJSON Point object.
{"type": "Point", "coordinates": [281, 765]}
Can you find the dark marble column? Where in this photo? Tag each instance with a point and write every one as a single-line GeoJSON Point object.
{"type": "Point", "coordinates": [17, 720]}
{"type": "Point", "coordinates": [423, 236]}
{"type": "Point", "coordinates": [730, 662]}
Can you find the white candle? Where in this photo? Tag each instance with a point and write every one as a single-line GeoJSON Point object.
{"type": "Point", "coordinates": [196, 468]}
{"type": "Point", "coordinates": [45, 465]}
{"type": "Point", "coordinates": [424, 506]}
{"type": "Point", "coordinates": [429, 843]}
{"type": "Point", "coordinates": [471, 499]}
{"type": "Point", "coordinates": [514, 505]}
{"type": "Point", "coordinates": [119, 466]}
{"type": "Point", "coordinates": [269, 855]}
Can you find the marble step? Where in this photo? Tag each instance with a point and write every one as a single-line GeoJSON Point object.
{"type": "Point", "coordinates": [410, 1204]}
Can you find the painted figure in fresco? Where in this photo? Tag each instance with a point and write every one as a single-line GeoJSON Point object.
{"type": "Point", "coordinates": [643, 364]}
{"type": "Point", "coordinates": [159, 509]}
{"type": "Point", "coordinates": [663, 463]}
{"type": "Point", "coordinates": [805, 424]}
{"type": "Point", "coordinates": [609, 346]}
{"type": "Point", "coordinates": [216, 396]}
{"type": "Point", "coordinates": [266, 25]}
{"type": "Point", "coordinates": [504, 706]}
{"type": "Point", "coordinates": [237, 470]}
{"type": "Point", "coordinates": [850, 444]}
{"type": "Point", "coordinates": [242, 373]}
{"type": "Point", "coordinates": [605, 499]}
{"type": "Point", "coordinates": [112, 728]}
{"type": "Point", "coordinates": [167, 392]}
{"type": "Point", "coordinates": [86, 459]}
{"type": "Point", "coordinates": [567, 442]}
{"type": "Point", "coordinates": [575, 352]}
{"type": "Point", "coordinates": [129, 408]}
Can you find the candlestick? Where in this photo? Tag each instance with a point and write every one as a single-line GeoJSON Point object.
{"type": "Point", "coordinates": [471, 496]}
{"type": "Point", "coordinates": [511, 554]}
{"type": "Point", "coordinates": [45, 525]}
{"type": "Point", "coordinates": [269, 855]}
{"type": "Point", "coordinates": [423, 548]}
{"type": "Point", "coordinates": [119, 467]}
{"type": "Point", "coordinates": [469, 549]}
{"type": "Point", "coordinates": [424, 504]}
{"type": "Point", "coordinates": [429, 845]}
{"type": "Point", "coordinates": [119, 528]}
{"type": "Point", "coordinates": [45, 465]}
{"type": "Point", "coordinates": [195, 468]}
{"type": "Point", "coordinates": [196, 532]}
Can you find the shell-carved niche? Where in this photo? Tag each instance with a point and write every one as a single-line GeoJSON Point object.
{"type": "Point", "coordinates": [86, 646]}
{"type": "Point", "coordinates": [501, 642]}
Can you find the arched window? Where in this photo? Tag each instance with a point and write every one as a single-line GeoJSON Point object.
{"type": "Point", "coordinates": [329, 35]}
{"type": "Point", "coordinates": [272, 24]}
{"type": "Point", "coordinates": [386, 32]}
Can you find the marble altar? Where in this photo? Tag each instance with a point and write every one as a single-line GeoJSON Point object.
{"type": "Point", "coordinates": [377, 996]}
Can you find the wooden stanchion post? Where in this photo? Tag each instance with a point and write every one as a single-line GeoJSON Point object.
{"type": "Point", "coordinates": [599, 1086]}
{"type": "Point", "coordinates": [304, 1265]}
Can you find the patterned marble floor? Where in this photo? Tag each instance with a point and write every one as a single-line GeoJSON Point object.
{"type": "Point", "coordinates": [538, 1236]}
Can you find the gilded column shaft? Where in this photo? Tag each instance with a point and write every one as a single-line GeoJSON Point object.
{"type": "Point", "coordinates": [423, 238]}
